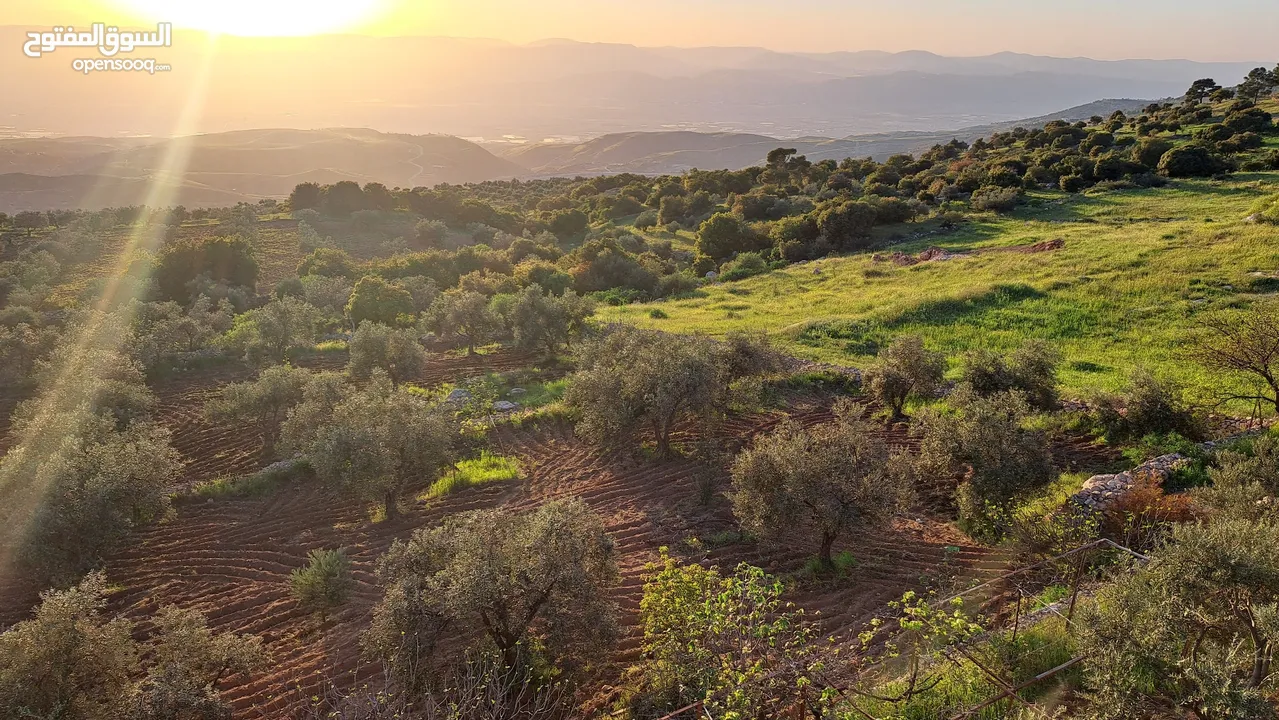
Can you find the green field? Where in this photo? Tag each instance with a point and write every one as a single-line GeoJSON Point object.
{"type": "Point", "coordinates": [1137, 269]}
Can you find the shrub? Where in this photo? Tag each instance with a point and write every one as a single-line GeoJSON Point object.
{"type": "Point", "coordinates": [1191, 160]}
{"type": "Point", "coordinates": [374, 299]}
{"type": "Point", "coordinates": [324, 582]}
{"type": "Point", "coordinates": [1073, 183]}
{"type": "Point", "coordinates": [1032, 369]}
{"type": "Point", "coordinates": [847, 225]}
{"type": "Point", "coordinates": [1148, 151]}
{"type": "Point", "coordinates": [997, 199]}
{"type": "Point", "coordinates": [903, 370]}
{"type": "Point", "coordinates": [1267, 210]}
{"type": "Point", "coordinates": [723, 235]}
{"type": "Point", "coordinates": [986, 439]}
{"type": "Point", "coordinates": [1150, 406]}
{"type": "Point", "coordinates": [743, 266]}
{"type": "Point", "coordinates": [646, 220]}
{"type": "Point", "coordinates": [222, 259]}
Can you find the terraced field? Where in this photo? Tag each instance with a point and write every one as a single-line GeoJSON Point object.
{"type": "Point", "coordinates": [231, 557]}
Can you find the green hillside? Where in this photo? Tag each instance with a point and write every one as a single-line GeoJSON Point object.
{"type": "Point", "coordinates": [1136, 270]}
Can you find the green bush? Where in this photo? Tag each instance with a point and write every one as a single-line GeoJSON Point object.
{"type": "Point", "coordinates": [1151, 405]}
{"type": "Point", "coordinates": [324, 582]}
{"type": "Point", "coordinates": [996, 199]}
{"type": "Point", "coordinates": [743, 266]}
{"type": "Point", "coordinates": [1191, 161]}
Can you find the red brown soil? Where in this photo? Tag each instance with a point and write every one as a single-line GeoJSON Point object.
{"type": "Point", "coordinates": [213, 450]}
{"type": "Point", "coordinates": [231, 558]}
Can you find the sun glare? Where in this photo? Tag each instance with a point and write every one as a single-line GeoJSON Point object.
{"type": "Point", "coordinates": [257, 17]}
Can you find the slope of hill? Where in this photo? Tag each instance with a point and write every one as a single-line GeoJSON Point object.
{"type": "Point", "coordinates": [1122, 291]}
{"type": "Point", "coordinates": [225, 168]}
{"type": "Point", "coordinates": [677, 151]}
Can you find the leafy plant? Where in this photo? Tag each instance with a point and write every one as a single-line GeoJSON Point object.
{"type": "Point", "coordinates": [324, 582]}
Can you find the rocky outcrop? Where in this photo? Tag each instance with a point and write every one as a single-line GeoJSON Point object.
{"type": "Point", "coordinates": [1100, 491]}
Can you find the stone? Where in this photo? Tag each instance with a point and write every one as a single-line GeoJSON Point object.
{"type": "Point", "coordinates": [459, 396]}
{"type": "Point", "coordinates": [505, 406]}
{"type": "Point", "coordinates": [516, 392]}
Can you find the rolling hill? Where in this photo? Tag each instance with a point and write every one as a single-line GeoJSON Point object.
{"type": "Point", "coordinates": [677, 151]}
{"type": "Point", "coordinates": [225, 168]}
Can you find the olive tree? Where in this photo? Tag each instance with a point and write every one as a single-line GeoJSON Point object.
{"type": "Point", "coordinates": [99, 485]}
{"type": "Point", "coordinates": [263, 403]}
{"type": "Point", "coordinates": [322, 393]}
{"type": "Point", "coordinates": [1193, 631]}
{"type": "Point", "coordinates": [631, 380]}
{"type": "Point", "coordinates": [984, 440]}
{"type": "Point", "coordinates": [396, 352]}
{"type": "Point", "coordinates": [547, 322]}
{"type": "Point", "coordinates": [533, 579]}
{"type": "Point", "coordinates": [379, 440]}
{"type": "Point", "coordinates": [267, 335]}
{"type": "Point", "coordinates": [186, 662]}
{"type": "Point", "coordinates": [834, 477]}
{"type": "Point", "coordinates": [903, 370]}
{"type": "Point", "coordinates": [72, 661]}
{"type": "Point", "coordinates": [69, 660]}
{"type": "Point", "coordinates": [466, 314]}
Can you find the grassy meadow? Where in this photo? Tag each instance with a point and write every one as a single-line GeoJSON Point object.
{"type": "Point", "coordinates": [1137, 269]}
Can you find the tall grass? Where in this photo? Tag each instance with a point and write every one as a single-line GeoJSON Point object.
{"type": "Point", "coordinates": [1138, 270]}
{"type": "Point", "coordinates": [486, 468]}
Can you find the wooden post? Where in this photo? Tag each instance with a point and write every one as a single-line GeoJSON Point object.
{"type": "Point", "coordinates": [1074, 589]}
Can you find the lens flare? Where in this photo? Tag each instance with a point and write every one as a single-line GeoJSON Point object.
{"type": "Point", "coordinates": [256, 17]}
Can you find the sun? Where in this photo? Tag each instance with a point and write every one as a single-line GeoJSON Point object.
{"type": "Point", "coordinates": [257, 17]}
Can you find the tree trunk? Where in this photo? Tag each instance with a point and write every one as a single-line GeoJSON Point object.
{"type": "Point", "coordinates": [509, 655]}
{"type": "Point", "coordinates": [391, 501]}
{"type": "Point", "coordinates": [824, 555]}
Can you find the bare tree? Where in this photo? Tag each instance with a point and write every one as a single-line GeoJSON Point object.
{"type": "Point", "coordinates": [1244, 345]}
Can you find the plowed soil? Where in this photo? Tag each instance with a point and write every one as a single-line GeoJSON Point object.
{"type": "Point", "coordinates": [231, 558]}
{"type": "Point", "coordinates": [212, 450]}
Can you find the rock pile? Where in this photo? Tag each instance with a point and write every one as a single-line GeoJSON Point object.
{"type": "Point", "coordinates": [1099, 491]}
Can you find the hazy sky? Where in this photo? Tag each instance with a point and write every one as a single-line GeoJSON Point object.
{"type": "Point", "coordinates": [1106, 29]}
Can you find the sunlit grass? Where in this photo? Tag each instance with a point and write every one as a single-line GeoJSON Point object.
{"type": "Point", "coordinates": [487, 468]}
{"type": "Point", "coordinates": [1137, 271]}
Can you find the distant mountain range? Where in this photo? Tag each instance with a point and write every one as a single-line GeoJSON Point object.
{"type": "Point", "coordinates": [490, 89]}
{"type": "Point", "coordinates": [674, 152]}
{"type": "Point", "coordinates": [247, 165]}
{"type": "Point", "coordinates": [225, 168]}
